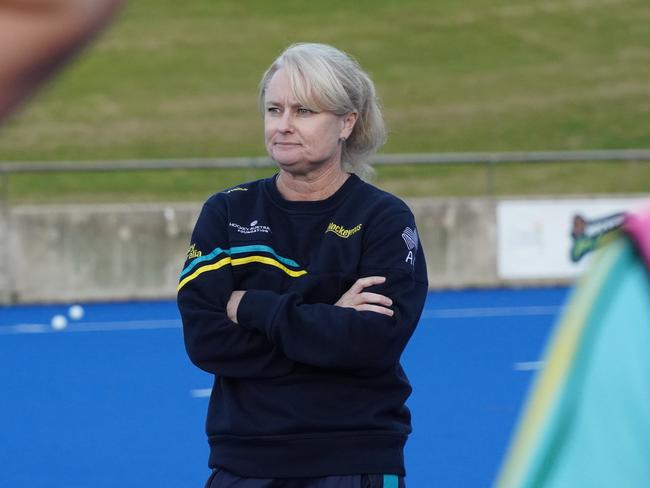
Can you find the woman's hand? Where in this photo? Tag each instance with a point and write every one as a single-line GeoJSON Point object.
{"type": "Point", "coordinates": [357, 299]}
{"type": "Point", "coordinates": [233, 304]}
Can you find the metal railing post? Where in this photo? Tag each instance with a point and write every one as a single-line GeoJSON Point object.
{"type": "Point", "coordinates": [490, 178]}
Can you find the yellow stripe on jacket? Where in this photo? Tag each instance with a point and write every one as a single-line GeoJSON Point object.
{"type": "Point", "coordinates": [240, 262]}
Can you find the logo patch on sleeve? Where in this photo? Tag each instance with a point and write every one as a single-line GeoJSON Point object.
{"type": "Point", "coordinates": [411, 240]}
{"type": "Point", "coordinates": [193, 252]}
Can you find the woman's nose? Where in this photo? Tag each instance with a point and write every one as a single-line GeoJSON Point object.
{"type": "Point", "coordinates": [286, 122]}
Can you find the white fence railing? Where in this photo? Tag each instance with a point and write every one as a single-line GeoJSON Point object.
{"type": "Point", "coordinates": [490, 159]}
{"type": "Point", "coordinates": [613, 155]}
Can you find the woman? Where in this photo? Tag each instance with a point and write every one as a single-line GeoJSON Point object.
{"type": "Point", "coordinates": [301, 291]}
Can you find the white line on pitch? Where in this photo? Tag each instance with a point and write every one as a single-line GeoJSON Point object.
{"type": "Point", "coordinates": [528, 365]}
{"type": "Point", "coordinates": [91, 327]}
{"type": "Point", "coordinates": [130, 325]}
{"type": "Point", "coordinates": [201, 393]}
{"type": "Point", "coordinates": [25, 329]}
{"type": "Point", "coordinates": [457, 313]}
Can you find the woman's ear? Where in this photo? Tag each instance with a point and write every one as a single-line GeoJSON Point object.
{"type": "Point", "coordinates": [349, 120]}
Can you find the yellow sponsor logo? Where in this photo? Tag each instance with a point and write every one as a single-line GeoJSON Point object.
{"type": "Point", "coordinates": [341, 231]}
{"type": "Point", "coordinates": [193, 252]}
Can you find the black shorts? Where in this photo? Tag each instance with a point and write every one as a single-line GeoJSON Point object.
{"type": "Point", "coordinates": [223, 479]}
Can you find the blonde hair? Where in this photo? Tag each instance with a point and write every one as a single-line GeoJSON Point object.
{"type": "Point", "coordinates": [325, 78]}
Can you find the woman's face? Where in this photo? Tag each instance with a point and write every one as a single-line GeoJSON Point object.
{"type": "Point", "coordinates": [299, 139]}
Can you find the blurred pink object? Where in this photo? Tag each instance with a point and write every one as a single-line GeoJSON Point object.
{"type": "Point", "coordinates": [39, 37]}
{"type": "Point", "coordinates": [637, 225]}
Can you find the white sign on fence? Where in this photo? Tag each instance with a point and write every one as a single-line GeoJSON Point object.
{"type": "Point", "coordinates": [552, 239]}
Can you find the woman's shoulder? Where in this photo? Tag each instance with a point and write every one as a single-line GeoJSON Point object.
{"type": "Point", "coordinates": [379, 200]}
{"type": "Point", "coordinates": [239, 193]}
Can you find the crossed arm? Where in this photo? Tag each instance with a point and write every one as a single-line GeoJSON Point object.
{"type": "Point", "coordinates": [354, 298]}
{"type": "Point", "coordinates": [261, 333]}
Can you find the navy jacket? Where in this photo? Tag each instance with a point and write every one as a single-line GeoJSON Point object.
{"type": "Point", "coordinates": [302, 387]}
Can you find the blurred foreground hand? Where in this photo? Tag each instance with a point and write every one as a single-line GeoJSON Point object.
{"type": "Point", "coordinates": [37, 37]}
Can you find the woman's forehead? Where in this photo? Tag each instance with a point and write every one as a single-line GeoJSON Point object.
{"type": "Point", "coordinates": [279, 85]}
{"type": "Point", "coordinates": [283, 89]}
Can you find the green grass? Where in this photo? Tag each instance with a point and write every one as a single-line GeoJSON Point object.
{"type": "Point", "coordinates": [179, 79]}
{"type": "Point", "coordinates": [406, 180]}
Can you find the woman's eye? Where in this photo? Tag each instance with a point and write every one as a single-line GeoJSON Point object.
{"type": "Point", "coordinates": [273, 110]}
{"type": "Point", "coordinates": [304, 111]}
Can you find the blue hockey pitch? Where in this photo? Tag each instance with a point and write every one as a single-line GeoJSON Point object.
{"type": "Point", "coordinates": [111, 400]}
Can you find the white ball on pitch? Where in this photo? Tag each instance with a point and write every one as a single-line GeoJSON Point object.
{"type": "Point", "coordinates": [59, 322]}
{"type": "Point", "coordinates": [76, 312]}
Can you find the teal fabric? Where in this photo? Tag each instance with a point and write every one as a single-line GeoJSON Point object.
{"type": "Point", "coordinates": [390, 481]}
{"type": "Point", "coordinates": [600, 432]}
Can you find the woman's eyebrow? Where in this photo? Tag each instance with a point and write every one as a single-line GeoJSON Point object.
{"type": "Point", "coordinates": [294, 104]}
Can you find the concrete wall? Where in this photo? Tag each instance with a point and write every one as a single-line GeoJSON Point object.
{"type": "Point", "coordinates": [113, 252]}
{"type": "Point", "coordinates": [5, 285]}
{"type": "Point", "coordinates": [459, 238]}
{"type": "Point", "coordinates": [96, 252]}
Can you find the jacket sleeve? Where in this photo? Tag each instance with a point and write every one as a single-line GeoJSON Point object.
{"type": "Point", "coordinates": [213, 342]}
{"type": "Point", "coordinates": [329, 336]}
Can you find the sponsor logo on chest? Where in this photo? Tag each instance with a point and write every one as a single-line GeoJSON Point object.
{"type": "Point", "coordinates": [253, 228]}
{"type": "Point", "coordinates": [341, 231]}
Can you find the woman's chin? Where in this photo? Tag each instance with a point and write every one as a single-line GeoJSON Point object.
{"type": "Point", "coordinates": [287, 163]}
